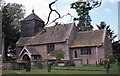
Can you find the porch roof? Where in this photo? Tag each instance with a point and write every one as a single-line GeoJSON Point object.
{"type": "Point", "coordinates": [32, 50]}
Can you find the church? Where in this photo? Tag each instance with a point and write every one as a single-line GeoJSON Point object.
{"type": "Point", "coordinates": [84, 47]}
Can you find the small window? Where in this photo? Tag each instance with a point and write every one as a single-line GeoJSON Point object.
{"type": "Point", "coordinates": [35, 57]}
{"type": "Point", "coordinates": [50, 48]}
{"type": "Point", "coordinates": [75, 54]}
{"type": "Point", "coordinates": [26, 23]}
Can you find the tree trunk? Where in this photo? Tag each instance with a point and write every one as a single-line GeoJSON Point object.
{"type": "Point", "coordinates": [6, 45]}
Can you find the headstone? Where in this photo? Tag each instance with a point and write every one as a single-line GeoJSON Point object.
{"type": "Point", "coordinates": [28, 66]}
{"type": "Point", "coordinates": [107, 66]}
{"type": "Point", "coordinates": [49, 66]}
{"type": "Point", "coordinates": [39, 64]}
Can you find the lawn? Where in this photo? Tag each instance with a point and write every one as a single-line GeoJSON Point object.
{"type": "Point", "coordinates": [44, 71]}
{"type": "Point", "coordinates": [86, 69]}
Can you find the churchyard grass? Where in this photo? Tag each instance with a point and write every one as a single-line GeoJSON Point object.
{"type": "Point", "coordinates": [86, 69]}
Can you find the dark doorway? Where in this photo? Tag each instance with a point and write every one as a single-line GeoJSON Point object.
{"type": "Point", "coordinates": [26, 58]}
{"type": "Point", "coordinates": [27, 64]}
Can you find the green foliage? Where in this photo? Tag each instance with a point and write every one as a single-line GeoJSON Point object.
{"type": "Point", "coordinates": [116, 47]}
{"type": "Point", "coordinates": [82, 8]}
{"type": "Point", "coordinates": [69, 63]}
{"type": "Point", "coordinates": [58, 54]}
{"type": "Point", "coordinates": [114, 58]}
{"type": "Point", "coordinates": [11, 16]}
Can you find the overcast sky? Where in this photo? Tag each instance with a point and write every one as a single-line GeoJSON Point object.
{"type": "Point", "coordinates": [107, 12]}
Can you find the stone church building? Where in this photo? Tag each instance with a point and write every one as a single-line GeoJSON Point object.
{"type": "Point", "coordinates": [37, 42]}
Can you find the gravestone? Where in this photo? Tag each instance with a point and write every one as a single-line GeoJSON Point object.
{"type": "Point", "coordinates": [28, 66]}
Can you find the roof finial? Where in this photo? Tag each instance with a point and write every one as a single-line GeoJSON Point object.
{"type": "Point", "coordinates": [33, 9]}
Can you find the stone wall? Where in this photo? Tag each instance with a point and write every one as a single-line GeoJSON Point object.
{"type": "Point", "coordinates": [107, 45]}
{"type": "Point", "coordinates": [88, 59]}
{"type": "Point", "coordinates": [10, 66]}
{"type": "Point", "coordinates": [64, 47]}
{"type": "Point", "coordinates": [42, 49]}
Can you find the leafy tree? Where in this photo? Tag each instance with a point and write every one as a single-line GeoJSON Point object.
{"type": "Point", "coordinates": [12, 13]}
{"type": "Point", "coordinates": [58, 54]}
{"type": "Point", "coordinates": [2, 3]}
{"type": "Point", "coordinates": [116, 47]}
{"type": "Point", "coordinates": [82, 8]}
{"type": "Point", "coordinates": [110, 32]}
{"type": "Point", "coordinates": [102, 25]}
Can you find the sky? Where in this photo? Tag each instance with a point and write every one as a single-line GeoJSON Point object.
{"type": "Point", "coordinates": [107, 12]}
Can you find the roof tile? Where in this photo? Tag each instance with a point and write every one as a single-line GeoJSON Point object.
{"type": "Point", "coordinates": [88, 38]}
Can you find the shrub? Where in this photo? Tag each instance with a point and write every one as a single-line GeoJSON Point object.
{"type": "Point", "coordinates": [55, 64]}
{"type": "Point", "coordinates": [58, 54]}
{"type": "Point", "coordinates": [114, 57]}
{"type": "Point", "coordinates": [69, 63]}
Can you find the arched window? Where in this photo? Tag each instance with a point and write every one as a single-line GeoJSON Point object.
{"type": "Point", "coordinates": [50, 48]}
{"type": "Point", "coordinates": [75, 54]}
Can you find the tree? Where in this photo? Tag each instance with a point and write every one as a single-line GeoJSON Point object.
{"type": "Point", "coordinates": [54, 10]}
{"type": "Point", "coordinates": [116, 47]}
{"type": "Point", "coordinates": [82, 8]}
{"type": "Point", "coordinates": [58, 54]}
{"type": "Point", "coordinates": [2, 3]}
{"type": "Point", "coordinates": [102, 25]}
{"type": "Point", "coordinates": [11, 16]}
{"type": "Point", "coordinates": [109, 31]}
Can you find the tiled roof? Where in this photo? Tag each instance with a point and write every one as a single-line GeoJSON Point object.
{"type": "Point", "coordinates": [53, 34]}
{"type": "Point", "coordinates": [32, 16]}
{"type": "Point", "coordinates": [32, 50]}
{"type": "Point", "coordinates": [60, 33]}
{"type": "Point", "coordinates": [22, 41]}
{"type": "Point", "coordinates": [88, 38]}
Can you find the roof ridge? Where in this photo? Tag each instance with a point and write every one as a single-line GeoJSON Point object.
{"type": "Point", "coordinates": [90, 31]}
{"type": "Point", "coordinates": [58, 25]}
{"type": "Point", "coordinates": [32, 16]}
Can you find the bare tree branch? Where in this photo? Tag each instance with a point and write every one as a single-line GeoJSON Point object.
{"type": "Point", "coordinates": [61, 18]}
{"type": "Point", "coordinates": [98, 3]}
{"type": "Point", "coordinates": [52, 10]}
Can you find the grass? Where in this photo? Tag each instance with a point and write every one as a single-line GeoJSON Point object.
{"type": "Point", "coordinates": [44, 71]}
{"type": "Point", "coordinates": [82, 68]}
{"type": "Point", "coordinates": [86, 69]}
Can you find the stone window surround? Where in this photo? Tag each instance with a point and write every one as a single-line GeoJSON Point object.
{"type": "Point", "coordinates": [85, 51]}
{"type": "Point", "coordinates": [75, 54]}
{"type": "Point", "coordinates": [50, 48]}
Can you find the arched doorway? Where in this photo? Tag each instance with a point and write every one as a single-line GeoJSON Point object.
{"type": "Point", "coordinates": [27, 61]}
{"type": "Point", "coordinates": [26, 58]}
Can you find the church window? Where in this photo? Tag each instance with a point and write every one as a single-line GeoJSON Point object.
{"type": "Point", "coordinates": [35, 57]}
{"type": "Point", "coordinates": [50, 48]}
{"type": "Point", "coordinates": [85, 51]}
{"type": "Point", "coordinates": [75, 54]}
